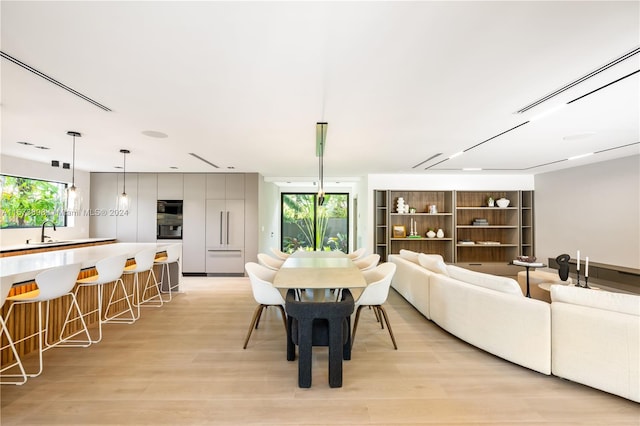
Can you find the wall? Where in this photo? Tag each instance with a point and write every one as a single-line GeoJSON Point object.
{"type": "Point", "coordinates": [78, 226]}
{"type": "Point", "coordinates": [594, 209]}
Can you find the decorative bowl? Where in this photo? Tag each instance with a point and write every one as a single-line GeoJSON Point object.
{"type": "Point", "coordinates": [502, 202]}
{"type": "Point", "coordinates": [528, 259]}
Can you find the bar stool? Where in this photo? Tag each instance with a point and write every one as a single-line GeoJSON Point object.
{"type": "Point", "coordinates": [4, 291]}
{"type": "Point", "coordinates": [173, 256]}
{"type": "Point", "coordinates": [144, 263]}
{"type": "Point", "coordinates": [109, 270]}
{"type": "Point", "coordinates": [52, 284]}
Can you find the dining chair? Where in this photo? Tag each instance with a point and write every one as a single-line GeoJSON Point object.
{"type": "Point", "coordinates": [269, 261]}
{"type": "Point", "coordinates": [52, 284]}
{"type": "Point", "coordinates": [280, 254]}
{"type": "Point", "coordinates": [367, 262]}
{"type": "Point", "coordinates": [357, 254]}
{"type": "Point", "coordinates": [15, 378]}
{"type": "Point", "coordinates": [109, 270]}
{"type": "Point", "coordinates": [264, 293]}
{"type": "Point", "coordinates": [319, 324]}
{"type": "Point", "coordinates": [375, 295]}
{"type": "Point", "coordinates": [172, 256]}
{"type": "Point", "coordinates": [144, 263]}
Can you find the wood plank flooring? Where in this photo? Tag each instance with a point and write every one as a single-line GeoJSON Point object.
{"type": "Point", "coordinates": [183, 364]}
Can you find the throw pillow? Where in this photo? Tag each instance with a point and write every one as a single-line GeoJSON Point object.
{"type": "Point", "coordinates": [433, 262]}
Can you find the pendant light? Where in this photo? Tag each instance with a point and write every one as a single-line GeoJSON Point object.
{"type": "Point", "coordinates": [73, 193]}
{"type": "Point", "coordinates": [321, 138]}
{"type": "Point", "coordinates": [123, 199]}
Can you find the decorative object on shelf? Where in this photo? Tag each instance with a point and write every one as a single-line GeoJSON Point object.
{"type": "Point", "coordinates": [414, 225]}
{"type": "Point", "coordinates": [412, 210]}
{"type": "Point", "coordinates": [399, 231]}
{"type": "Point", "coordinates": [433, 209]}
{"type": "Point", "coordinates": [480, 222]}
{"type": "Point", "coordinates": [431, 233]}
{"type": "Point", "coordinates": [490, 202]}
{"type": "Point", "coordinates": [401, 206]}
{"type": "Point", "coordinates": [489, 243]}
{"type": "Point", "coordinates": [527, 259]}
{"type": "Point", "coordinates": [440, 233]}
{"type": "Point", "coordinates": [503, 203]}
{"type": "Point", "coordinates": [563, 266]}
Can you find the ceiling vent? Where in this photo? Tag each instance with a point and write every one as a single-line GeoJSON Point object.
{"type": "Point", "coordinates": [203, 160]}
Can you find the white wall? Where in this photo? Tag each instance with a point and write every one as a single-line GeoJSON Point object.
{"type": "Point", "coordinates": [594, 209]}
{"type": "Point", "coordinates": [269, 220]}
{"type": "Point", "coordinates": [78, 226]}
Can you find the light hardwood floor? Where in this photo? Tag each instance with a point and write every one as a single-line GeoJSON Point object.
{"type": "Point", "coordinates": [183, 364]}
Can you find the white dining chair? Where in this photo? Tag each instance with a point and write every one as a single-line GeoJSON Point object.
{"type": "Point", "coordinates": [367, 262]}
{"type": "Point", "coordinates": [144, 263]}
{"type": "Point", "coordinates": [280, 254]}
{"type": "Point", "coordinates": [172, 256]}
{"type": "Point", "coordinates": [20, 377]}
{"type": "Point", "coordinates": [109, 270]}
{"type": "Point", "coordinates": [357, 254]}
{"type": "Point", "coordinates": [264, 293]}
{"type": "Point", "coordinates": [375, 295]}
{"type": "Point", "coordinates": [52, 284]}
{"type": "Point", "coordinates": [269, 261]}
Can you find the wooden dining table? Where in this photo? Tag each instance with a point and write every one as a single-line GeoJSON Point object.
{"type": "Point", "coordinates": [319, 270]}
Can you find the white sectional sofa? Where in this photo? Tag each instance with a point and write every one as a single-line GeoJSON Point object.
{"type": "Point", "coordinates": [596, 339]}
{"type": "Point", "coordinates": [589, 337]}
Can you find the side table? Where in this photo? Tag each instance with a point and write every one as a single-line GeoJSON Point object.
{"type": "Point", "coordinates": [527, 266]}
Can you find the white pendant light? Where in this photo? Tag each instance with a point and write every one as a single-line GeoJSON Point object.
{"type": "Point", "coordinates": [123, 199]}
{"type": "Point", "coordinates": [321, 138]}
{"type": "Point", "coordinates": [74, 199]}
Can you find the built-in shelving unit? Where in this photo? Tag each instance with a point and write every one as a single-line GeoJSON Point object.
{"type": "Point", "coordinates": [475, 233]}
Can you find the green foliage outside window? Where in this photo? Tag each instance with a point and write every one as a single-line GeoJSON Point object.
{"type": "Point", "coordinates": [30, 202]}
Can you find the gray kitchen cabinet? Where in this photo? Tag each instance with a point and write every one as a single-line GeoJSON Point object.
{"type": "Point", "coordinates": [147, 205]}
{"type": "Point", "coordinates": [225, 186]}
{"type": "Point", "coordinates": [194, 223]}
{"type": "Point", "coordinates": [225, 236]}
{"type": "Point", "coordinates": [170, 186]}
{"type": "Point", "coordinates": [104, 190]}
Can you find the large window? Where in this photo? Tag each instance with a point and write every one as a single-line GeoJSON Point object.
{"type": "Point", "coordinates": [305, 225]}
{"type": "Point", "coordinates": [28, 203]}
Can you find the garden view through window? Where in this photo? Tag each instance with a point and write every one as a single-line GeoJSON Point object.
{"type": "Point", "coordinates": [307, 226]}
{"type": "Point", "coordinates": [28, 203]}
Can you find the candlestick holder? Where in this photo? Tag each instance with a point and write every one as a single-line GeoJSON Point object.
{"type": "Point", "coordinates": [586, 279]}
{"type": "Point", "coordinates": [578, 278]}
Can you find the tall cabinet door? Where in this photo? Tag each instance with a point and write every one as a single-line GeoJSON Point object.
{"type": "Point", "coordinates": [194, 219]}
{"type": "Point", "coordinates": [225, 237]}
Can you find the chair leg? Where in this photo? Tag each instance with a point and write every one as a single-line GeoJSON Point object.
{"type": "Point", "coordinates": [254, 323]}
{"type": "Point", "coordinates": [130, 303]}
{"type": "Point", "coordinates": [386, 320]}
{"type": "Point", "coordinates": [66, 341]}
{"type": "Point", "coordinates": [355, 324]}
{"type": "Point", "coordinates": [17, 362]}
{"type": "Point", "coordinates": [154, 286]}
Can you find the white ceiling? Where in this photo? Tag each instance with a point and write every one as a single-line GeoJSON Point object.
{"type": "Point", "coordinates": [242, 84]}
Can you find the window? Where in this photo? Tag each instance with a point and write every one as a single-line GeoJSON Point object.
{"type": "Point", "coordinates": [28, 203]}
{"type": "Point", "coordinates": [305, 225]}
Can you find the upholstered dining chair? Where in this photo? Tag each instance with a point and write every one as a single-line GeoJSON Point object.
{"type": "Point", "coordinates": [367, 262]}
{"type": "Point", "coordinates": [269, 261]}
{"type": "Point", "coordinates": [52, 284]}
{"type": "Point", "coordinates": [319, 324]}
{"type": "Point", "coordinates": [264, 293]}
{"type": "Point", "coordinates": [172, 256]}
{"type": "Point", "coordinates": [280, 254]}
{"type": "Point", "coordinates": [375, 295]}
{"type": "Point", "coordinates": [19, 377]}
{"type": "Point", "coordinates": [357, 254]}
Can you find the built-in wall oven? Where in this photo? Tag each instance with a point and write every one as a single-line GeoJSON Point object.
{"type": "Point", "coordinates": [169, 220]}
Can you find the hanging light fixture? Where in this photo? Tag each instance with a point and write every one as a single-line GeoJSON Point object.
{"type": "Point", "coordinates": [321, 139]}
{"type": "Point", "coordinates": [123, 199]}
{"type": "Point", "coordinates": [73, 193]}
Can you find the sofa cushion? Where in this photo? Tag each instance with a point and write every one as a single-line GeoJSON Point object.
{"type": "Point", "coordinates": [616, 302]}
{"type": "Point", "coordinates": [492, 282]}
{"type": "Point", "coordinates": [411, 256]}
{"type": "Point", "coordinates": [433, 262]}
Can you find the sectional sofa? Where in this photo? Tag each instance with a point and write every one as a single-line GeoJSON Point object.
{"type": "Point", "coordinates": [587, 336]}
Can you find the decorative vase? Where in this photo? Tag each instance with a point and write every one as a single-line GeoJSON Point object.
{"type": "Point", "coordinates": [503, 202]}
{"type": "Point", "coordinates": [440, 233]}
{"type": "Point", "coordinates": [401, 205]}
{"type": "Point", "coordinates": [431, 234]}
{"type": "Point", "coordinates": [490, 202]}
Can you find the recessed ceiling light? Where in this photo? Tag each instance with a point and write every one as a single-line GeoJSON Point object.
{"type": "Point", "coordinates": [24, 143]}
{"type": "Point", "coordinates": [578, 136]}
{"type": "Point", "coordinates": [230, 167]}
{"type": "Point", "coordinates": [117, 167]}
{"type": "Point", "coordinates": [173, 167]}
{"type": "Point", "coordinates": [155, 134]}
{"type": "Point", "coordinates": [41, 147]}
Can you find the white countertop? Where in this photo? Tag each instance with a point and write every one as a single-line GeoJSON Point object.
{"type": "Point", "coordinates": [19, 247]}
{"type": "Point", "coordinates": [25, 267]}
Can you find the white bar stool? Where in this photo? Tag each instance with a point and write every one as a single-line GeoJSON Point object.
{"type": "Point", "coordinates": [4, 292]}
{"type": "Point", "coordinates": [173, 256]}
{"type": "Point", "coordinates": [52, 284]}
{"type": "Point", "coordinates": [109, 270]}
{"type": "Point", "coordinates": [144, 263]}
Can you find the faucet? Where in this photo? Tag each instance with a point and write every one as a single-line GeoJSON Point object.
{"type": "Point", "coordinates": [42, 236]}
